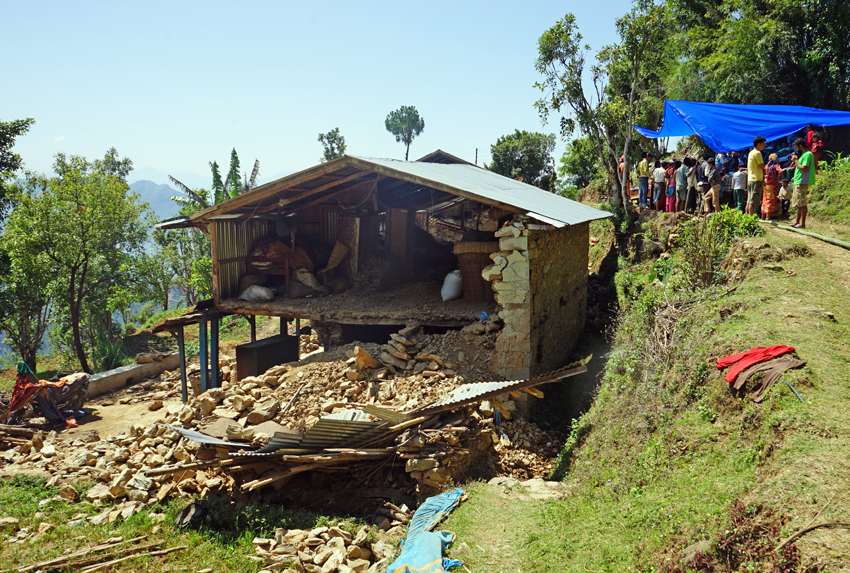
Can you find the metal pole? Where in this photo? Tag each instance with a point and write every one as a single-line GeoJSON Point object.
{"type": "Point", "coordinates": [298, 336]}
{"type": "Point", "coordinates": [214, 381]}
{"type": "Point", "coordinates": [202, 340]}
{"type": "Point", "coordinates": [181, 347]}
{"type": "Point", "coordinates": [252, 320]}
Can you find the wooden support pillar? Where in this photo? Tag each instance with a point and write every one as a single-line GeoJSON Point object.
{"type": "Point", "coordinates": [252, 320]}
{"type": "Point", "coordinates": [202, 342]}
{"type": "Point", "coordinates": [402, 229]}
{"type": "Point", "coordinates": [181, 349]}
{"type": "Point", "coordinates": [282, 325]}
{"type": "Point", "coordinates": [214, 381]}
{"type": "Point", "coordinates": [298, 335]}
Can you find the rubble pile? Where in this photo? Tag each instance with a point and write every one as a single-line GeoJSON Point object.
{"type": "Point", "coordinates": [309, 343]}
{"type": "Point", "coordinates": [327, 549]}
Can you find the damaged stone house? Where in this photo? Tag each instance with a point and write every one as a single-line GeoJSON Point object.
{"type": "Point", "coordinates": [357, 245]}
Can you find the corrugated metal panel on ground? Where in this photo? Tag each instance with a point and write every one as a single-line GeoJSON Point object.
{"type": "Point", "coordinates": [480, 391]}
{"type": "Point", "coordinates": [203, 438]}
{"type": "Point", "coordinates": [553, 208]}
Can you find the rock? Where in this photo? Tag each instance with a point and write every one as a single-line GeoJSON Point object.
{"type": "Point", "coordinates": [233, 432]}
{"type": "Point", "coordinates": [155, 405]}
{"type": "Point", "coordinates": [186, 414]}
{"type": "Point", "coordinates": [98, 493]}
{"type": "Point", "coordinates": [263, 411]}
{"type": "Point", "coordinates": [140, 481]}
{"type": "Point", "coordinates": [382, 522]}
{"type": "Point", "coordinates": [206, 406]}
{"type": "Point", "coordinates": [420, 465]}
{"type": "Point", "coordinates": [382, 550]}
{"type": "Point", "coordinates": [474, 328]}
{"type": "Point", "coordinates": [241, 403]}
{"type": "Point", "coordinates": [48, 451]}
{"type": "Point", "coordinates": [9, 525]}
{"type": "Point", "coordinates": [364, 359]}
{"type": "Point", "coordinates": [690, 552]}
{"type": "Point", "coordinates": [69, 493]}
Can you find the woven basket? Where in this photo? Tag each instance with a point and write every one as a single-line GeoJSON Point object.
{"type": "Point", "coordinates": [476, 247]}
{"type": "Point", "coordinates": [339, 252]}
{"type": "Point", "coordinates": [473, 258]}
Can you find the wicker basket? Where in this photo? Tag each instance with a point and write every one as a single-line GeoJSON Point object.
{"type": "Point", "coordinates": [339, 253]}
{"type": "Point", "coordinates": [473, 257]}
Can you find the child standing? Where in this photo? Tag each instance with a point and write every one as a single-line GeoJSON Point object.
{"type": "Point", "coordinates": [739, 188]}
{"type": "Point", "coordinates": [670, 176]}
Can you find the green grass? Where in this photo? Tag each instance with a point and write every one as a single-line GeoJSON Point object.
{"type": "Point", "coordinates": [830, 197]}
{"type": "Point", "coordinates": [223, 543]}
{"type": "Point", "coordinates": [665, 451]}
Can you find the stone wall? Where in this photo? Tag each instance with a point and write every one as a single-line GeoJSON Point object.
{"type": "Point", "coordinates": [540, 278]}
{"type": "Point", "coordinates": [558, 259]}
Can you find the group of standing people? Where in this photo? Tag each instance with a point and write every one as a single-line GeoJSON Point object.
{"type": "Point", "coordinates": [755, 187]}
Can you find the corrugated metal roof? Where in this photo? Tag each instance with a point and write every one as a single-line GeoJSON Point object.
{"type": "Point", "coordinates": [200, 438]}
{"type": "Point", "coordinates": [547, 206]}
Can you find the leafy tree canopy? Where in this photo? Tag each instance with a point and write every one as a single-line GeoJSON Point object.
{"type": "Point", "coordinates": [525, 155]}
{"type": "Point", "coordinates": [82, 227]}
{"type": "Point", "coordinates": [10, 162]}
{"type": "Point", "coordinates": [579, 163]}
{"type": "Point", "coordinates": [405, 124]}
{"type": "Point", "coordinates": [333, 144]}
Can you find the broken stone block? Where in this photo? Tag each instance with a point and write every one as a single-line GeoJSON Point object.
{"type": "Point", "coordinates": [140, 481]}
{"type": "Point", "coordinates": [420, 465]}
{"type": "Point", "coordinates": [364, 359]}
{"type": "Point", "coordinates": [410, 330]}
{"type": "Point", "coordinates": [9, 525]}
{"type": "Point", "coordinates": [233, 432]}
{"type": "Point", "coordinates": [263, 411]}
{"type": "Point", "coordinates": [391, 360]}
{"type": "Point", "coordinates": [98, 493]}
{"type": "Point", "coordinates": [69, 493]}
{"type": "Point", "coordinates": [206, 406]}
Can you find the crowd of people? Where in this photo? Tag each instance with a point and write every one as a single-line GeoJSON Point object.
{"type": "Point", "coordinates": [741, 180]}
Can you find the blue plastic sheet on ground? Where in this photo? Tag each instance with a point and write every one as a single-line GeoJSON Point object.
{"type": "Point", "coordinates": [732, 127]}
{"type": "Point", "coordinates": [422, 549]}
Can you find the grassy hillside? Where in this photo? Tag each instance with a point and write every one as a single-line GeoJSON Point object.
{"type": "Point", "coordinates": [668, 456]}
{"type": "Point", "coordinates": [830, 197]}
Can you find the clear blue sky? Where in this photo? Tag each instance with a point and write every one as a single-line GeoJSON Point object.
{"type": "Point", "coordinates": [173, 85]}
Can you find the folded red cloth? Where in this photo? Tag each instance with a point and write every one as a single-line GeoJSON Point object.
{"type": "Point", "coordinates": [752, 356]}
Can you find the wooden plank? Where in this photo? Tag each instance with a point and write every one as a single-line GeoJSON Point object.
{"type": "Point", "coordinates": [272, 188]}
{"type": "Point", "coordinates": [320, 188]}
{"type": "Point", "coordinates": [216, 286]}
{"type": "Point", "coordinates": [332, 195]}
{"type": "Point", "coordinates": [63, 558]}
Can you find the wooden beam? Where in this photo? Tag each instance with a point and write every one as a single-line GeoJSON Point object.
{"type": "Point", "coordinates": [288, 200]}
{"type": "Point", "coordinates": [330, 196]}
{"type": "Point", "coordinates": [272, 188]}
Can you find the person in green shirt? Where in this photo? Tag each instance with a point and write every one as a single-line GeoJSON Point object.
{"type": "Point", "coordinates": [804, 175]}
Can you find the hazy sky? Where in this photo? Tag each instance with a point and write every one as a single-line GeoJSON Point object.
{"type": "Point", "coordinates": [176, 84]}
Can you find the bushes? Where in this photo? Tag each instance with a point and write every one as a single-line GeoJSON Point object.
{"type": "Point", "coordinates": [705, 241]}
{"type": "Point", "coordinates": [830, 196]}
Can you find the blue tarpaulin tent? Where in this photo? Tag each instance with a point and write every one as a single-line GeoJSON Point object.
{"type": "Point", "coordinates": [729, 127]}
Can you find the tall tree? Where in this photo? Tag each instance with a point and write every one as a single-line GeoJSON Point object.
{"type": "Point", "coordinates": [26, 300]}
{"type": "Point", "coordinates": [405, 124]}
{"type": "Point", "coordinates": [88, 224]}
{"type": "Point", "coordinates": [792, 52]}
{"type": "Point", "coordinates": [526, 155]}
{"type": "Point", "coordinates": [579, 163]}
{"type": "Point", "coordinates": [333, 144]}
{"type": "Point", "coordinates": [10, 162]}
{"type": "Point", "coordinates": [607, 114]}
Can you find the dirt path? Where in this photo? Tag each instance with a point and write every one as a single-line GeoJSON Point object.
{"type": "Point", "coordinates": [837, 257]}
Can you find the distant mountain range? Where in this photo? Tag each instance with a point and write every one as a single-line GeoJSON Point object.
{"type": "Point", "coordinates": [156, 188]}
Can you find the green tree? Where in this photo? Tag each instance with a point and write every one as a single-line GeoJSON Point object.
{"type": "Point", "coordinates": [608, 113]}
{"type": "Point", "coordinates": [526, 155]}
{"type": "Point", "coordinates": [792, 52]}
{"type": "Point", "coordinates": [88, 225]}
{"type": "Point", "coordinates": [333, 144]}
{"type": "Point", "coordinates": [405, 124]}
{"type": "Point", "coordinates": [10, 162]}
{"type": "Point", "coordinates": [26, 301]}
{"type": "Point", "coordinates": [579, 163]}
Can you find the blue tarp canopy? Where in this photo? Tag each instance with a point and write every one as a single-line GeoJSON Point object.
{"type": "Point", "coordinates": [729, 127]}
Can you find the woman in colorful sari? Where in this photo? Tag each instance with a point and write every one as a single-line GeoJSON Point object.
{"type": "Point", "coordinates": [770, 199]}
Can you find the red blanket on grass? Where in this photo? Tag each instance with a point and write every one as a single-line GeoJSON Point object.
{"type": "Point", "coordinates": [752, 356]}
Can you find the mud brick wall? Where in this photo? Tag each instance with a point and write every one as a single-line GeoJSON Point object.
{"type": "Point", "coordinates": [558, 261]}
{"type": "Point", "coordinates": [540, 278]}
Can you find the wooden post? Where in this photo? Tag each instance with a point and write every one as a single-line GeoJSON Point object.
{"type": "Point", "coordinates": [252, 320]}
{"type": "Point", "coordinates": [298, 335]}
{"type": "Point", "coordinates": [214, 381]}
{"type": "Point", "coordinates": [181, 348]}
{"type": "Point", "coordinates": [202, 341]}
